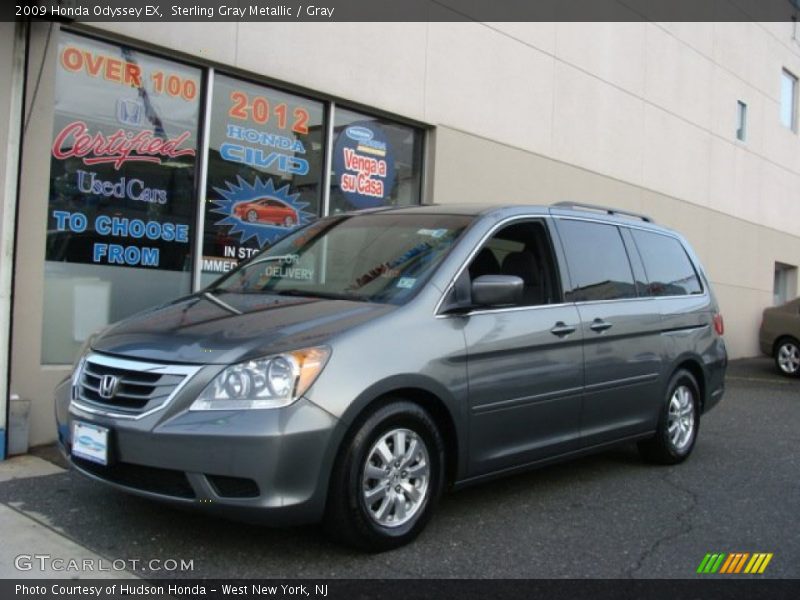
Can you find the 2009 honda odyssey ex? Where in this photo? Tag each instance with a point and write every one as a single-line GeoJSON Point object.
{"type": "Point", "coordinates": [367, 361]}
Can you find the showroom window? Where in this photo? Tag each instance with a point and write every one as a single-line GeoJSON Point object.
{"type": "Point", "coordinates": [788, 100]}
{"type": "Point", "coordinates": [121, 208]}
{"type": "Point", "coordinates": [138, 137]}
{"type": "Point", "coordinates": [376, 162]}
{"type": "Point", "coordinates": [265, 170]}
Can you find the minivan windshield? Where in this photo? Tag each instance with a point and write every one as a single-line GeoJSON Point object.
{"type": "Point", "coordinates": [379, 257]}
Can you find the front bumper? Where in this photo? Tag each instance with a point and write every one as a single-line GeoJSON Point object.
{"type": "Point", "coordinates": [268, 466]}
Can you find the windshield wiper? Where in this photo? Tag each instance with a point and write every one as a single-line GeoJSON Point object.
{"type": "Point", "coordinates": [316, 294]}
{"type": "Point", "coordinates": [213, 299]}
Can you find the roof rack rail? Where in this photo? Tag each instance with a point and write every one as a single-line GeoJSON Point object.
{"type": "Point", "coordinates": [603, 209]}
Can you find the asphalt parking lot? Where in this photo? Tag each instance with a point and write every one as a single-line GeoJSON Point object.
{"type": "Point", "coordinates": [606, 516]}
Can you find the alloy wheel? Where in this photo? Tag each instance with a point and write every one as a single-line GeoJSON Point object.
{"type": "Point", "coordinates": [396, 477]}
{"type": "Point", "coordinates": [789, 358]}
{"type": "Point", "coordinates": [680, 419]}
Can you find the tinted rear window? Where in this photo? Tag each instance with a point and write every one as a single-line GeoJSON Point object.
{"type": "Point", "coordinates": [597, 260]}
{"type": "Point", "coordinates": [668, 268]}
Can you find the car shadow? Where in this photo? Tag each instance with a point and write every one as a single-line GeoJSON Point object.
{"type": "Point", "coordinates": [116, 525]}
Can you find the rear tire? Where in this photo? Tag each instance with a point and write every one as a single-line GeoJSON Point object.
{"type": "Point", "coordinates": [787, 357]}
{"type": "Point", "coordinates": [678, 422]}
{"type": "Point", "coordinates": [387, 479]}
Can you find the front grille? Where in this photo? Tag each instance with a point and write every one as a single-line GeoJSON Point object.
{"type": "Point", "coordinates": [233, 487]}
{"type": "Point", "coordinates": [167, 482]}
{"type": "Point", "coordinates": [140, 385]}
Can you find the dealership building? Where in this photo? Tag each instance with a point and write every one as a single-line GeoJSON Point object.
{"type": "Point", "coordinates": [143, 160]}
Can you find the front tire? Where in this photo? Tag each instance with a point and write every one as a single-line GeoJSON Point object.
{"type": "Point", "coordinates": [787, 357]}
{"type": "Point", "coordinates": [387, 479]}
{"type": "Point", "coordinates": [678, 422]}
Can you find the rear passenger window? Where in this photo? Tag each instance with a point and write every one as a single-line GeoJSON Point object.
{"type": "Point", "coordinates": [597, 261]}
{"type": "Point", "coordinates": [668, 268]}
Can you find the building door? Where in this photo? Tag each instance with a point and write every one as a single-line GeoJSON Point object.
{"type": "Point", "coordinates": [785, 283]}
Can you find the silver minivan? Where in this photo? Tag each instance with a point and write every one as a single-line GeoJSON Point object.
{"type": "Point", "coordinates": [366, 362]}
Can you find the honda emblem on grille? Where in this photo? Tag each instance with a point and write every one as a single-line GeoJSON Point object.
{"type": "Point", "coordinates": [108, 386]}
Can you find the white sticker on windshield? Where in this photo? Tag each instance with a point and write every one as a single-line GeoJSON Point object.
{"type": "Point", "coordinates": [435, 233]}
{"type": "Point", "coordinates": [406, 282]}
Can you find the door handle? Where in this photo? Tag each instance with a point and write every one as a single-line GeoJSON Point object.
{"type": "Point", "coordinates": [599, 325]}
{"type": "Point", "coordinates": [561, 329]}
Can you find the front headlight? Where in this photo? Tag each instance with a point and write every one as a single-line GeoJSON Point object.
{"type": "Point", "coordinates": [269, 382]}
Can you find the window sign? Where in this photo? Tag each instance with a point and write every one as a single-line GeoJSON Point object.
{"type": "Point", "coordinates": [364, 164]}
{"type": "Point", "coordinates": [265, 168]}
{"type": "Point", "coordinates": [123, 157]}
{"type": "Point", "coordinates": [376, 162]}
{"type": "Point", "coordinates": [121, 206]}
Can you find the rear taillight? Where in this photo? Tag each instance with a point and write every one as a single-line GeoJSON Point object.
{"type": "Point", "coordinates": [719, 324]}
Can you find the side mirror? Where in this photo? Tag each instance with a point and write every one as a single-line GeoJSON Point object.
{"type": "Point", "coordinates": [497, 290]}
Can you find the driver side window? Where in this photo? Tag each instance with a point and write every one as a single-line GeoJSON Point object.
{"type": "Point", "coordinates": [522, 250]}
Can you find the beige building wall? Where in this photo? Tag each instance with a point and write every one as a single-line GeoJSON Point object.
{"type": "Point", "coordinates": [634, 115]}
{"type": "Point", "coordinates": [738, 255]}
{"type": "Point", "coordinates": [11, 67]}
{"type": "Point", "coordinates": [29, 378]}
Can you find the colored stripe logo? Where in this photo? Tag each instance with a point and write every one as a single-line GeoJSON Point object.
{"type": "Point", "coordinates": [735, 562]}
